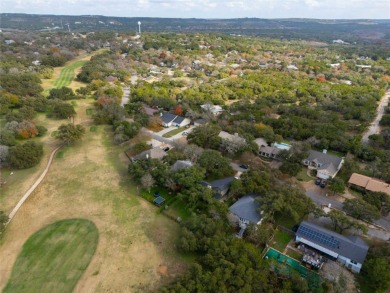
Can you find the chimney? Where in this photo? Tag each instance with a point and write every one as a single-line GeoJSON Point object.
{"type": "Point", "coordinates": [324, 151]}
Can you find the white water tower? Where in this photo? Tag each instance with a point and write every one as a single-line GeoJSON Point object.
{"type": "Point", "coordinates": [139, 27]}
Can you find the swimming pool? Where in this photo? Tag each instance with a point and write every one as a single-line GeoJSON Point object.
{"type": "Point", "coordinates": [282, 145]}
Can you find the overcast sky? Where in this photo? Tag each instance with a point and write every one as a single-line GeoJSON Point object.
{"type": "Point", "coordinates": [330, 9]}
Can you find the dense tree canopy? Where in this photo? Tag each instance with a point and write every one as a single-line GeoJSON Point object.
{"type": "Point", "coordinates": [25, 155]}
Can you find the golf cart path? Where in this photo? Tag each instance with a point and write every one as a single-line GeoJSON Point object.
{"type": "Point", "coordinates": [32, 188]}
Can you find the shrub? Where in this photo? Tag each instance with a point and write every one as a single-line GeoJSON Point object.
{"type": "Point", "coordinates": [27, 155]}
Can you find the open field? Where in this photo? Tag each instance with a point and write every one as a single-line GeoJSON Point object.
{"type": "Point", "coordinates": [89, 181]}
{"type": "Point", "coordinates": [54, 258]}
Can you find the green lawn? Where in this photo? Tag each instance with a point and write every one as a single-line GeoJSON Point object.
{"type": "Point", "coordinates": [176, 207]}
{"type": "Point", "coordinates": [54, 258]}
{"type": "Point", "coordinates": [294, 254]}
{"type": "Point", "coordinates": [280, 240]}
{"type": "Point", "coordinates": [175, 131]}
{"type": "Point", "coordinates": [302, 175]}
{"type": "Point", "coordinates": [67, 74]}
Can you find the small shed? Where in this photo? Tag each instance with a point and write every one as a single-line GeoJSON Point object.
{"type": "Point", "coordinates": [158, 201]}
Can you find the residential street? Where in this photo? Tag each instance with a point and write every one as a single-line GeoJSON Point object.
{"type": "Point", "coordinates": [320, 199]}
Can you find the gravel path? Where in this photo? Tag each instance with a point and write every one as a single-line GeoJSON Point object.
{"type": "Point", "coordinates": [374, 127]}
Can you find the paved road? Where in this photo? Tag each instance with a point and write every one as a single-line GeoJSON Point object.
{"type": "Point", "coordinates": [325, 200]}
{"type": "Point", "coordinates": [374, 127]}
{"type": "Point", "coordinates": [32, 188]}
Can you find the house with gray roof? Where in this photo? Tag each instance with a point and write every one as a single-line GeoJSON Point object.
{"type": "Point", "coordinates": [246, 211]}
{"type": "Point", "coordinates": [180, 121]}
{"type": "Point", "coordinates": [351, 251]}
{"type": "Point", "coordinates": [154, 153]}
{"type": "Point", "coordinates": [167, 119]}
{"type": "Point", "coordinates": [220, 187]}
{"type": "Point", "coordinates": [179, 164]}
{"type": "Point", "coordinates": [271, 152]}
{"type": "Point", "coordinates": [327, 166]}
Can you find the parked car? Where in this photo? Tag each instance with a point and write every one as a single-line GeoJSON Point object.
{"type": "Point", "coordinates": [184, 133]}
{"type": "Point", "coordinates": [156, 194]}
{"type": "Point", "coordinates": [323, 184]}
{"type": "Point", "coordinates": [318, 181]}
{"type": "Point", "coordinates": [243, 166]}
{"type": "Point", "coordinates": [166, 149]}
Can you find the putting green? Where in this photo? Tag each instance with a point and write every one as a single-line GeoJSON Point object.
{"type": "Point", "coordinates": [54, 258]}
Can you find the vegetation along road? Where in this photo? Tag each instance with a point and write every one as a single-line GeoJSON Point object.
{"type": "Point", "coordinates": [374, 127]}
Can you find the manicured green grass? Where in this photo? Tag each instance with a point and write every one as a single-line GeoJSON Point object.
{"type": "Point", "coordinates": [54, 258]}
{"type": "Point", "coordinates": [302, 175]}
{"type": "Point", "coordinates": [280, 240]}
{"type": "Point", "coordinates": [67, 74]}
{"type": "Point", "coordinates": [175, 131]}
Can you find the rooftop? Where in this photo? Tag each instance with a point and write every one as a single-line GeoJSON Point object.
{"type": "Point", "coordinates": [323, 158]}
{"type": "Point", "coordinates": [369, 183]}
{"type": "Point", "coordinates": [167, 117]}
{"type": "Point", "coordinates": [181, 165]}
{"type": "Point", "coordinates": [247, 208]}
{"type": "Point", "coordinates": [220, 184]}
{"type": "Point", "coordinates": [154, 153]}
{"type": "Point", "coordinates": [352, 247]}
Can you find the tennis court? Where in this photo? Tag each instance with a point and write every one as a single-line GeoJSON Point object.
{"type": "Point", "coordinates": [287, 266]}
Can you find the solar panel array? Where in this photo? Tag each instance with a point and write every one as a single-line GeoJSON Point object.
{"type": "Point", "coordinates": [318, 237]}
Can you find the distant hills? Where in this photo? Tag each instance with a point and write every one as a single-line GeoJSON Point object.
{"type": "Point", "coordinates": [359, 30]}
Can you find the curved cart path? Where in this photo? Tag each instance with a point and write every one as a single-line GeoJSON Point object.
{"type": "Point", "coordinates": [32, 188]}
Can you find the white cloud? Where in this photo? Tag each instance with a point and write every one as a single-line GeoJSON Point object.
{"type": "Point", "coordinates": [206, 8]}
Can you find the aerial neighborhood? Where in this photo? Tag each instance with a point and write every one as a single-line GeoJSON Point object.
{"type": "Point", "coordinates": [207, 160]}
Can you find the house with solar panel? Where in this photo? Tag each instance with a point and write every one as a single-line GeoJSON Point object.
{"type": "Point", "coordinates": [351, 251]}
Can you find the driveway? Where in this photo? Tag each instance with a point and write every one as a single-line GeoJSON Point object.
{"type": "Point", "coordinates": [236, 167]}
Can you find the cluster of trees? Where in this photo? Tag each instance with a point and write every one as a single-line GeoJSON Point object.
{"type": "Point", "coordinates": [226, 263]}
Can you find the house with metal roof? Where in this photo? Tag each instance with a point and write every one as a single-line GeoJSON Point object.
{"type": "Point", "coordinates": [246, 210]}
{"type": "Point", "coordinates": [327, 166]}
{"type": "Point", "coordinates": [349, 250]}
{"type": "Point", "coordinates": [220, 187]}
{"type": "Point", "coordinates": [368, 183]}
